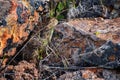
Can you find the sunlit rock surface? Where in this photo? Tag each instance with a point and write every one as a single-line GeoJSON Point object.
{"type": "Point", "coordinates": [17, 19]}
{"type": "Point", "coordinates": [90, 40]}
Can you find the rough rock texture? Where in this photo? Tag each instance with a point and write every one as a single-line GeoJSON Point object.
{"type": "Point", "coordinates": [78, 43]}
{"type": "Point", "coordinates": [105, 29]}
{"type": "Point", "coordinates": [18, 18]}
{"type": "Point", "coordinates": [23, 70]}
{"type": "Point", "coordinates": [95, 8]}
{"type": "Point", "coordinates": [80, 39]}
{"type": "Point", "coordinates": [97, 74]}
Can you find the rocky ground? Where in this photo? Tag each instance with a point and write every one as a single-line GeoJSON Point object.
{"type": "Point", "coordinates": [83, 45]}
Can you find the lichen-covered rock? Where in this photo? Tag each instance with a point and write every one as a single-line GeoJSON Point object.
{"type": "Point", "coordinates": [95, 8]}
{"type": "Point", "coordinates": [17, 19]}
{"type": "Point", "coordinates": [24, 70]}
{"type": "Point", "coordinates": [89, 74]}
{"type": "Point", "coordinates": [80, 40]}
{"type": "Point", "coordinates": [106, 56]}
{"type": "Point", "coordinates": [105, 29]}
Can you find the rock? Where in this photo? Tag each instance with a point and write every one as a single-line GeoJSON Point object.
{"type": "Point", "coordinates": [24, 70]}
{"type": "Point", "coordinates": [18, 18]}
{"type": "Point", "coordinates": [105, 29]}
{"type": "Point", "coordinates": [106, 56]}
{"type": "Point", "coordinates": [96, 74]}
{"type": "Point", "coordinates": [80, 41]}
{"type": "Point", "coordinates": [94, 8]}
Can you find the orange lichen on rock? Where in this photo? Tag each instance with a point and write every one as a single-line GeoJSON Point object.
{"type": "Point", "coordinates": [4, 35]}
{"type": "Point", "coordinates": [19, 21]}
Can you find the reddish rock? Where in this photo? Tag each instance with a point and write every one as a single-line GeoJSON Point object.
{"type": "Point", "coordinates": [78, 43]}
{"type": "Point", "coordinates": [17, 20]}
{"type": "Point", "coordinates": [106, 29]}
{"type": "Point", "coordinates": [90, 75]}
{"type": "Point", "coordinates": [24, 70]}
